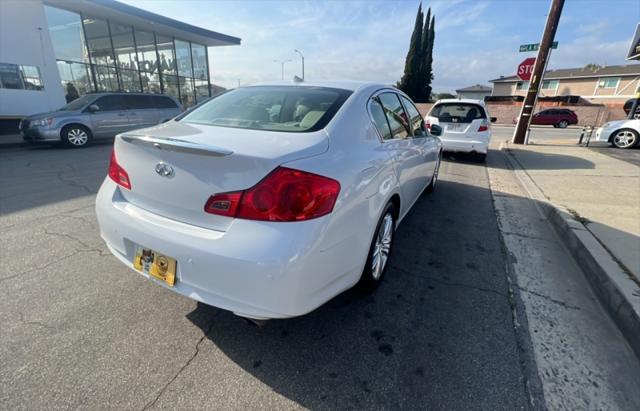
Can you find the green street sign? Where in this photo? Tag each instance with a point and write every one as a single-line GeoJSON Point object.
{"type": "Point", "coordinates": [535, 46]}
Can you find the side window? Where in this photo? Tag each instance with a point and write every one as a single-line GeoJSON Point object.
{"type": "Point", "coordinates": [396, 115]}
{"type": "Point", "coordinates": [416, 120]}
{"type": "Point", "coordinates": [163, 102]}
{"type": "Point", "coordinates": [138, 102]}
{"type": "Point", "coordinates": [379, 119]}
{"type": "Point", "coordinates": [110, 103]}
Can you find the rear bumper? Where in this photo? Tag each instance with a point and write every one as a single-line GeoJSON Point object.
{"type": "Point", "coordinates": [465, 146]}
{"type": "Point", "coordinates": [255, 269]}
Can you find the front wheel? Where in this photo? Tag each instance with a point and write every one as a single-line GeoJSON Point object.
{"type": "Point", "coordinates": [380, 251]}
{"type": "Point", "coordinates": [75, 136]}
{"type": "Point", "coordinates": [625, 138]}
{"type": "Point", "coordinates": [563, 124]}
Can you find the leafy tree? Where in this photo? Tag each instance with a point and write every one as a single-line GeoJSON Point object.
{"type": "Point", "coordinates": [408, 82]}
{"type": "Point", "coordinates": [592, 67]}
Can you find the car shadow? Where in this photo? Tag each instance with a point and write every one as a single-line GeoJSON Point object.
{"type": "Point", "coordinates": [533, 160]}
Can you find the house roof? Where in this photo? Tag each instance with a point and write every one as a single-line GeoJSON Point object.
{"type": "Point", "coordinates": [581, 72]}
{"type": "Point", "coordinates": [142, 19]}
{"type": "Point", "coordinates": [476, 87]}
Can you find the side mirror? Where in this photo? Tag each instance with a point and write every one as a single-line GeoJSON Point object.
{"type": "Point", "coordinates": [93, 108]}
{"type": "Point", "coordinates": [436, 130]}
{"type": "Point", "coordinates": [493, 119]}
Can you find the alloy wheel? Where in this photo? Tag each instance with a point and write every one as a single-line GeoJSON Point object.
{"type": "Point", "coordinates": [77, 137]}
{"type": "Point", "coordinates": [624, 139]}
{"type": "Point", "coordinates": [382, 246]}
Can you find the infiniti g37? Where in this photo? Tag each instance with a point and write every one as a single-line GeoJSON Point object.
{"type": "Point", "coordinates": [269, 200]}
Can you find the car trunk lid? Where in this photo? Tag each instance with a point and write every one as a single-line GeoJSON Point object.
{"type": "Point", "coordinates": [175, 167]}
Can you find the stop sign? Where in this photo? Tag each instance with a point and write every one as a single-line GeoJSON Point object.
{"type": "Point", "coordinates": [526, 68]}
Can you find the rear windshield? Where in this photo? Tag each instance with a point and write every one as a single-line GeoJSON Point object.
{"type": "Point", "coordinates": [271, 108]}
{"type": "Point", "coordinates": [458, 112]}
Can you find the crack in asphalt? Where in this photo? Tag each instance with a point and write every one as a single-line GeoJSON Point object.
{"type": "Point", "coordinates": [72, 183]}
{"type": "Point", "coordinates": [550, 299]}
{"type": "Point", "coordinates": [49, 216]}
{"type": "Point", "coordinates": [50, 263]}
{"type": "Point", "coordinates": [38, 323]}
{"type": "Point", "coordinates": [184, 366]}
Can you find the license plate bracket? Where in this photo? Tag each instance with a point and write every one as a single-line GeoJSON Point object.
{"type": "Point", "coordinates": [156, 265]}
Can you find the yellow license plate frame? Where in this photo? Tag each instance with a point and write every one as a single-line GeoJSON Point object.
{"type": "Point", "coordinates": [157, 265]}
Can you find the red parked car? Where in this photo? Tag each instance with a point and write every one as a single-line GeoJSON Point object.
{"type": "Point", "coordinates": [557, 117]}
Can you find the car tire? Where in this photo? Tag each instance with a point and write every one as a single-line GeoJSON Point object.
{"type": "Point", "coordinates": [563, 124]}
{"type": "Point", "coordinates": [75, 135]}
{"type": "Point", "coordinates": [625, 138]}
{"type": "Point", "coordinates": [379, 251]}
{"type": "Point", "coordinates": [434, 179]}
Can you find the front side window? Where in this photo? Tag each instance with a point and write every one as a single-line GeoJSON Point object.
{"type": "Point", "coordinates": [271, 108]}
{"type": "Point", "coordinates": [609, 82]}
{"type": "Point", "coordinates": [78, 103]}
{"type": "Point", "coordinates": [398, 119]}
{"type": "Point", "coordinates": [110, 103]}
{"type": "Point", "coordinates": [379, 119]}
{"type": "Point", "coordinates": [416, 120]}
{"type": "Point", "coordinates": [138, 102]}
{"type": "Point", "coordinates": [20, 77]}
{"type": "Point", "coordinates": [458, 112]}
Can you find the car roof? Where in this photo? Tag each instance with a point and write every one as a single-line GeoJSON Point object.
{"type": "Point", "coordinates": [352, 85]}
{"type": "Point", "coordinates": [460, 100]}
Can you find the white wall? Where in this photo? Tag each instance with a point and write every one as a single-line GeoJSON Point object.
{"type": "Point", "coordinates": [24, 40]}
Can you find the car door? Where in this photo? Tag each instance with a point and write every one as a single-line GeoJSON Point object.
{"type": "Point", "coordinates": [141, 111]}
{"type": "Point", "coordinates": [110, 118]}
{"type": "Point", "coordinates": [407, 153]}
{"type": "Point", "coordinates": [423, 140]}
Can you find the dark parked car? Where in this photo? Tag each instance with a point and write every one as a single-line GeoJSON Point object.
{"type": "Point", "coordinates": [557, 117]}
{"type": "Point", "coordinates": [627, 108]}
{"type": "Point", "coordinates": [100, 115]}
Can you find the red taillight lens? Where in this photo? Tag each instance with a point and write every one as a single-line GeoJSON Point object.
{"type": "Point", "coordinates": [284, 195]}
{"type": "Point", "coordinates": [117, 173]}
{"type": "Point", "coordinates": [484, 126]}
{"type": "Point", "coordinates": [427, 125]}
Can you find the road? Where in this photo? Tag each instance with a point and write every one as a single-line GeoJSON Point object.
{"type": "Point", "coordinates": [443, 330]}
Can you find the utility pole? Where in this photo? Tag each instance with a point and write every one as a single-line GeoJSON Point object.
{"type": "Point", "coordinates": [282, 63]}
{"type": "Point", "coordinates": [530, 99]}
{"type": "Point", "coordinates": [302, 57]}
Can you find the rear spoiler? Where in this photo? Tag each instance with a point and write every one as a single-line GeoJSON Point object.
{"type": "Point", "coordinates": [174, 144]}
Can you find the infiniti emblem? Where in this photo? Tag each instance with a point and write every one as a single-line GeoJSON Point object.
{"type": "Point", "coordinates": [164, 169]}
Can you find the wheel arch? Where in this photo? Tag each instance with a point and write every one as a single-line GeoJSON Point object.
{"type": "Point", "coordinates": [75, 123]}
{"type": "Point", "coordinates": [614, 132]}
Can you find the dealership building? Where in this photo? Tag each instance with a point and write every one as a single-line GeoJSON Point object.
{"type": "Point", "coordinates": [52, 51]}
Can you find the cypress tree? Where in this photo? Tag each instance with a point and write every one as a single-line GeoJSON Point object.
{"type": "Point", "coordinates": [422, 97]}
{"type": "Point", "coordinates": [427, 74]}
{"type": "Point", "coordinates": [410, 80]}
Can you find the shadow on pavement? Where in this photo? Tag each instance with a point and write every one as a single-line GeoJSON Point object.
{"type": "Point", "coordinates": [533, 160]}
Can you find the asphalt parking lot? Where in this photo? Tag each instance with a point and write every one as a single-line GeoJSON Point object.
{"type": "Point", "coordinates": [81, 331]}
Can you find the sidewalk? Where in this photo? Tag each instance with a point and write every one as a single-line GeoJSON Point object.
{"type": "Point", "coordinates": [603, 192]}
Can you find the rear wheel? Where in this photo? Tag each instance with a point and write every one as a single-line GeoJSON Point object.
{"type": "Point", "coordinates": [625, 138]}
{"type": "Point", "coordinates": [380, 251]}
{"type": "Point", "coordinates": [432, 185]}
{"type": "Point", "coordinates": [75, 135]}
{"type": "Point", "coordinates": [563, 124]}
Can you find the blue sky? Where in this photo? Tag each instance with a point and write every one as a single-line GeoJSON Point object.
{"type": "Point", "coordinates": [368, 40]}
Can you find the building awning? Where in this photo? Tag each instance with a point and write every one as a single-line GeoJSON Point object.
{"type": "Point", "coordinates": [145, 20]}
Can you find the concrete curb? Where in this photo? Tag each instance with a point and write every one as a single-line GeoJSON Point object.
{"type": "Point", "coordinates": [616, 290]}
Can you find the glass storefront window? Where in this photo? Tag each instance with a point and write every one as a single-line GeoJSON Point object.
{"type": "Point", "coordinates": [106, 78]}
{"type": "Point", "coordinates": [170, 84]}
{"type": "Point", "coordinates": [75, 78]}
{"type": "Point", "coordinates": [167, 58]}
{"type": "Point", "coordinates": [19, 77]}
{"type": "Point", "coordinates": [150, 83]}
{"type": "Point", "coordinates": [187, 96]}
{"type": "Point", "coordinates": [147, 57]}
{"type": "Point", "coordinates": [123, 46]}
{"type": "Point", "coordinates": [202, 90]}
{"type": "Point", "coordinates": [67, 37]}
{"type": "Point", "coordinates": [199, 58]}
{"type": "Point", "coordinates": [183, 57]}
{"type": "Point", "coordinates": [98, 41]}
{"type": "Point", "coordinates": [130, 81]}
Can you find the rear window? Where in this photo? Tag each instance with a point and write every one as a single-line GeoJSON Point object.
{"type": "Point", "coordinates": [164, 102]}
{"type": "Point", "coordinates": [458, 112]}
{"type": "Point", "coordinates": [271, 108]}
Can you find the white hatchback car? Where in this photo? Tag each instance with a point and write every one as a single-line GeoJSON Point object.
{"type": "Point", "coordinates": [621, 133]}
{"type": "Point", "coordinates": [269, 200]}
{"type": "Point", "coordinates": [465, 123]}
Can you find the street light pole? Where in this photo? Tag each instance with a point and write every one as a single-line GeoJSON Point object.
{"type": "Point", "coordinates": [282, 63]}
{"type": "Point", "coordinates": [302, 57]}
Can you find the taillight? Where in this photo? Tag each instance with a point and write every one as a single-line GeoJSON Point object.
{"type": "Point", "coordinates": [284, 195]}
{"type": "Point", "coordinates": [117, 173]}
{"type": "Point", "coordinates": [484, 126]}
{"type": "Point", "coordinates": [427, 124]}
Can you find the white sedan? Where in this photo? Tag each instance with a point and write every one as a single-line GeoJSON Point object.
{"type": "Point", "coordinates": [269, 200]}
{"type": "Point", "coordinates": [621, 133]}
{"type": "Point", "coordinates": [465, 123]}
